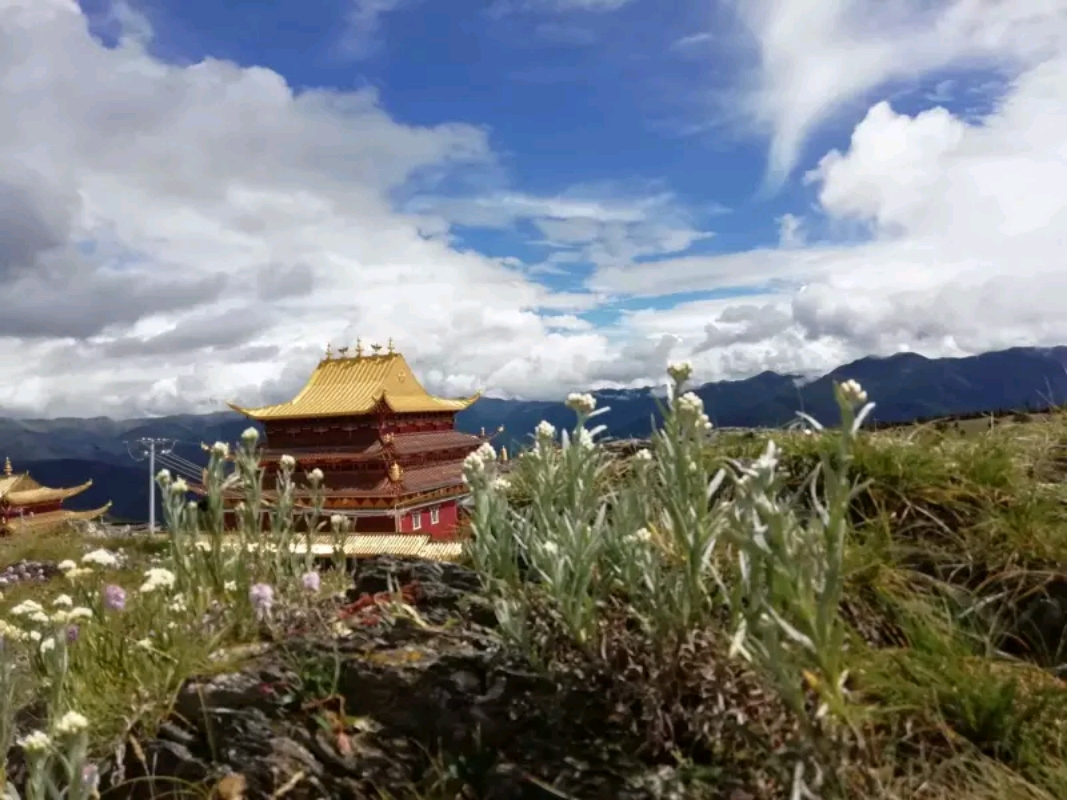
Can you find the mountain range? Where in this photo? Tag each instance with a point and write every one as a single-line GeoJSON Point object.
{"type": "Point", "coordinates": [906, 387]}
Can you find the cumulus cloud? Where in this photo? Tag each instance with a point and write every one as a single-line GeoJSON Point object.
{"type": "Point", "coordinates": [813, 58]}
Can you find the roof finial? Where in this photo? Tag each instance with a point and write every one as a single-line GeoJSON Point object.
{"type": "Point", "coordinates": [391, 348]}
{"type": "Point", "coordinates": [377, 348]}
{"type": "Point", "coordinates": [342, 351]}
{"type": "Point", "coordinates": [329, 353]}
{"type": "Point", "coordinates": [359, 347]}
{"type": "Point", "coordinates": [7, 466]}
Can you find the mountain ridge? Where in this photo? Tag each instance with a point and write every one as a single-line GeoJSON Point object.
{"type": "Point", "coordinates": [905, 386]}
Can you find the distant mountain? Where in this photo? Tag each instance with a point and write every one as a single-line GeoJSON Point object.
{"type": "Point", "coordinates": [906, 387]}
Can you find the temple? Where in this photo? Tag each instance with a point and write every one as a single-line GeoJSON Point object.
{"type": "Point", "coordinates": [389, 451]}
{"type": "Point", "coordinates": [27, 506]}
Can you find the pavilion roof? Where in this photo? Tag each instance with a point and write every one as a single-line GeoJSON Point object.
{"type": "Point", "coordinates": [50, 519]}
{"type": "Point", "coordinates": [19, 489]}
{"type": "Point", "coordinates": [351, 386]}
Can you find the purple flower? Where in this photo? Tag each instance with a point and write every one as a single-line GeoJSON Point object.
{"type": "Point", "coordinates": [311, 581]}
{"type": "Point", "coordinates": [114, 597]}
{"type": "Point", "coordinates": [72, 634]}
{"type": "Point", "coordinates": [261, 596]}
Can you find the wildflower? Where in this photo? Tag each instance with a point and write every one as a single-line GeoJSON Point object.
{"type": "Point", "coordinates": [584, 439]}
{"type": "Point", "coordinates": [311, 581]}
{"type": "Point", "coordinates": [287, 463]}
{"type": "Point", "coordinates": [261, 596]}
{"type": "Point", "coordinates": [36, 742]}
{"type": "Point", "coordinates": [545, 431]}
{"type": "Point", "coordinates": [853, 393]}
{"type": "Point", "coordinates": [220, 450]}
{"type": "Point", "coordinates": [158, 577]}
{"type": "Point", "coordinates": [48, 645]}
{"type": "Point", "coordinates": [102, 558]}
{"type": "Point", "coordinates": [501, 484]}
{"type": "Point", "coordinates": [250, 436]}
{"type": "Point", "coordinates": [72, 634]}
{"type": "Point", "coordinates": [177, 605]}
{"type": "Point", "coordinates": [40, 617]}
{"type": "Point", "coordinates": [163, 477]}
{"type": "Point", "coordinates": [179, 487]}
{"type": "Point", "coordinates": [144, 644]}
{"type": "Point", "coordinates": [644, 454]}
{"type": "Point", "coordinates": [690, 406]}
{"type": "Point", "coordinates": [78, 572]}
{"type": "Point", "coordinates": [582, 404]}
{"type": "Point", "coordinates": [680, 371]}
{"type": "Point", "coordinates": [336, 522]}
{"type": "Point", "coordinates": [643, 535]}
{"type": "Point", "coordinates": [25, 608]}
{"type": "Point", "coordinates": [551, 548]}
{"type": "Point", "coordinates": [35, 636]}
{"type": "Point", "coordinates": [115, 597]}
{"type": "Point", "coordinates": [486, 452]}
{"type": "Point", "coordinates": [71, 723]}
{"type": "Point", "coordinates": [9, 631]}
{"type": "Point", "coordinates": [63, 600]}
{"type": "Point", "coordinates": [67, 565]}
{"type": "Point", "coordinates": [230, 586]}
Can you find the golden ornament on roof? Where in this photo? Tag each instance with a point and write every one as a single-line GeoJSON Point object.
{"type": "Point", "coordinates": [396, 473]}
{"type": "Point", "coordinates": [377, 348]}
{"type": "Point", "coordinates": [391, 348]}
{"type": "Point", "coordinates": [343, 351]}
{"type": "Point", "coordinates": [359, 348]}
{"type": "Point", "coordinates": [329, 352]}
{"type": "Point", "coordinates": [387, 438]}
{"type": "Point", "coordinates": [7, 466]}
{"type": "Point", "coordinates": [503, 454]}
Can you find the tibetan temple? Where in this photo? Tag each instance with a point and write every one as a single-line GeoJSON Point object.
{"type": "Point", "coordinates": [391, 457]}
{"type": "Point", "coordinates": [26, 506]}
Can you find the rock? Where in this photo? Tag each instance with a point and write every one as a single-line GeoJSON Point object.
{"type": "Point", "coordinates": [413, 704]}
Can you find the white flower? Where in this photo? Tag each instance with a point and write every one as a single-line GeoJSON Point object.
{"type": "Point", "coordinates": [35, 636]}
{"type": "Point", "coordinates": [250, 436]}
{"type": "Point", "coordinates": [163, 477]}
{"type": "Point", "coordinates": [36, 742]}
{"type": "Point", "coordinates": [179, 487]}
{"type": "Point", "coordinates": [146, 643]}
{"type": "Point", "coordinates": [39, 617]}
{"type": "Point", "coordinates": [680, 371]}
{"type": "Point", "coordinates": [71, 723]}
{"type": "Point", "coordinates": [177, 605]}
{"type": "Point", "coordinates": [501, 484]}
{"type": "Point", "coordinates": [643, 535]}
{"type": "Point", "coordinates": [220, 450]}
{"type": "Point", "coordinates": [287, 463]}
{"type": "Point", "coordinates": [853, 393]}
{"type": "Point", "coordinates": [337, 522]}
{"type": "Point", "coordinates": [584, 439]}
{"type": "Point", "coordinates": [550, 547]}
{"type": "Point", "coordinates": [63, 600]}
{"type": "Point", "coordinates": [545, 431]}
{"type": "Point", "coordinates": [81, 612]}
{"type": "Point", "coordinates": [25, 608]}
{"type": "Point", "coordinates": [67, 565]}
{"type": "Point", "coordinates": [486, 452]}
{"type": "Point", "coordinates": [581, 403]}
{"type": "Point", "coordinates": [315, 476]}
{"type": "Point", "coordinates": [48, 645]}
{"type": "Point", "coordinates": [158, 577]}
{"type": "Point", "coordinates": [78, 572]}
{"type": "Point", "coordinates": [230, 586]}
{"type": "Point", "coordinates": [9, 631]}
{"type": "Point", "coordinates": [644, 454]}
{"type": "Point", "coordinates": [102, 558]}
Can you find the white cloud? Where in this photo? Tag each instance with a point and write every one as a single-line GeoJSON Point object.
{"type": "Point", "coordinates": [363, 22]}
{"type": "Point", "coordinates": [815, 57]}
{"type": "Point", "coordinates": [963, 249]}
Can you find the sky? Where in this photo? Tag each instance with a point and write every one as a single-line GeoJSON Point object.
{"type": "Point", "coordinates": [530, 197]}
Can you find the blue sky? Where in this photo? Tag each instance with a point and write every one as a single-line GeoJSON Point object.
{"type": "Point", "coordinates": [530, 196]}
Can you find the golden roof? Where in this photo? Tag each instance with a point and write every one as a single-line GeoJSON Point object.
{"type": "Point", "coordinates": [43, 494]}
{"type": "Point", "coordinates": [366, 544]}
{"type": "Point", "coordinates": [50, 519]}
{"type": "Point", "coordinates": [350, 386]}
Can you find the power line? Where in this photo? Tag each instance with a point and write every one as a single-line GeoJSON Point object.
{"type": "Point", "coordinates": [150, 447]}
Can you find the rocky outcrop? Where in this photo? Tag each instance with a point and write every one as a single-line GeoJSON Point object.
{"type": "Point", "coordinates": [421, 697]}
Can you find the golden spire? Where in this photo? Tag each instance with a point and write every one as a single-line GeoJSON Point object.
{"type": "Point", "coordinates": [342, 351]}
{"type": "Point", "coordinates": [376, 348]}
{"type": "Point", "coordinates": [396, 473]}
{"type": "Point", "coordinates": [7, 466]}
{"type": "Point", "coordinates": [503, 454]}
{"type": "Point", "coordinates": [391, 348]}
{"type": "Point", "coordinates": [359, 347]}
{"type": "Point", "coordinates": [329, 353]}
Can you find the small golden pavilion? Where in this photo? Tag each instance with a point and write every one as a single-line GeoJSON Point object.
{"type": "Point", "coordinates": [27, 506]}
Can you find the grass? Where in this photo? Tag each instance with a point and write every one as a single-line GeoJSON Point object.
{"type": "Point", "coordinates": [881, 608]}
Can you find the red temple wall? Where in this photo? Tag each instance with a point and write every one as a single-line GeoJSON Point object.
{"type": "Point", "coordinates": [444, 528]}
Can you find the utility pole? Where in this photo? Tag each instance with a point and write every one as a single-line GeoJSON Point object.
{"type": "Point", "coordinates": [148, 447]}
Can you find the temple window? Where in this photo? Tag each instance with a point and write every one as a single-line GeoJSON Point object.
{"type": "Point", "coordinates": [435, 515]}
{"type": "Point", "coordinates": [416, 520]}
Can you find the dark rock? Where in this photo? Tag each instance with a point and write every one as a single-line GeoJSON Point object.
{"type": "Point", "coordinates": [413, 705]}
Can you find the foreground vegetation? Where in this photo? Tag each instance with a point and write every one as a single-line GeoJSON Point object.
{"type": "Point", "coordinates": [805, 613]}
